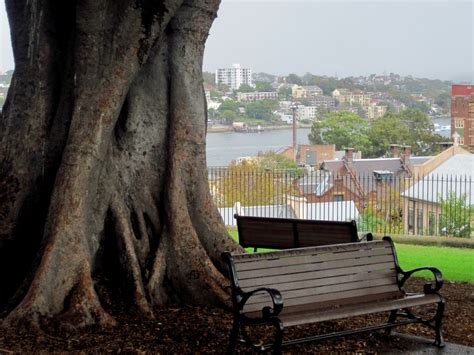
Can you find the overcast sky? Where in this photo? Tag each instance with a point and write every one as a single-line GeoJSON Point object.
{"type": "Point", "coordinates": [423, 38]}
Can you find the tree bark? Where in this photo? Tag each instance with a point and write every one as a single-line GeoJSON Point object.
{"type": "Point", "coordinates": [104, 197]}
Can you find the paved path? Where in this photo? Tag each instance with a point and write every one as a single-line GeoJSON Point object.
{"type": "Point", "coordinates": [420, 345]}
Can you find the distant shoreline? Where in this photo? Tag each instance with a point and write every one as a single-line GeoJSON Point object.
{"type": "Point", "coordinates": [222, 129]}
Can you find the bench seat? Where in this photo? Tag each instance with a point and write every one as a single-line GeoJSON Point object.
{"type": "Point", "coordinates": [295, 316]}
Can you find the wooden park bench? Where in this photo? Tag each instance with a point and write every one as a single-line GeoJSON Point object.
{"type": "Point", "coordinates": [287, 233]}
{"type": "Point", "coordinates": [308, 285]}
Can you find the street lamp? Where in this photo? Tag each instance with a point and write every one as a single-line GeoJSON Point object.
{"type": "Point", "coordinates": [293, 107]}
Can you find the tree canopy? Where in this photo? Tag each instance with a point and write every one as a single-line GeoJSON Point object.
{"type": "Point", "coordinates": [344, 129]}
{"type": "Point", "coordinates": [410, 127]}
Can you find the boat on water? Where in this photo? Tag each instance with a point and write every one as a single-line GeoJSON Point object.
{"type": "Point", "coordinates": [242, 127]}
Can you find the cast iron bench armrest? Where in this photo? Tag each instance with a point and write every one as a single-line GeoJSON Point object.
{"type": "Point", "coordinates": [366, 235]}
{"type": "Point", "coordinates": [427, 288]}
{"type": "Point", "coordinates": [267, 312]}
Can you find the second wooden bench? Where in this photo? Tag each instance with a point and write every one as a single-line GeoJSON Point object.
{"type": "Point", "coordinates": [287, 233]}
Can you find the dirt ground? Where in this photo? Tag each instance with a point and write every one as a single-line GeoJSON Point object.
{"type": "Point", "coordinates": [189, 329]}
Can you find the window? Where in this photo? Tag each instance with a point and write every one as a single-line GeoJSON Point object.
{"type": "Point", "coordinates": [338, 197]}
{"type": "Point", "coordinates": [459, 123]}
{"type": "Point", "coordinates": [383, 176]}
{"type": "Point", "coordinates": [419, 222]}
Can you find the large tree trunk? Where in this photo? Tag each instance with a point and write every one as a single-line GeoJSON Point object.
{"type": "Point", "coordinates": [103, 179]}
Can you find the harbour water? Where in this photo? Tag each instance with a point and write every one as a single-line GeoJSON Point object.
{"type": "Point", "coordinates": [224, 147]}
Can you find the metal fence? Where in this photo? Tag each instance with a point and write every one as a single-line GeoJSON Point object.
{"type": "Point", "coordinates": [383, 202]}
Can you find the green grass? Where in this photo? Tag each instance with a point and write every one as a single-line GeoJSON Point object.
{"type": "Point", "coordinates": [456, 264]}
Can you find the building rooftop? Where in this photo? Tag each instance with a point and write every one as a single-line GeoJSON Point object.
{"type": "Point", "coordinates": [462, 89]}
{"type": "Point", "coordinates": [454, 175]}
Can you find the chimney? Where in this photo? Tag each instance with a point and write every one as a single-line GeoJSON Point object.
{"type": "Point", "coordinates": [349, 154]}
{"type": "Point", "coordinates": [405, 156]}
{"type": "Point", "coordinates": [407, 150]}
{"type": "Point", "coordinates": [395, 150]}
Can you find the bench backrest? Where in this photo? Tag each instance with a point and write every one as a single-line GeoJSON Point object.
{"type": "Point", "coordinates": [286, 233]}
{"type": "Point", "coordinates": [320, 276]}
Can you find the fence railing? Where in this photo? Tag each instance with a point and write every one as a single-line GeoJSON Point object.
{"type": "Point", "coordinates": [383, 201]}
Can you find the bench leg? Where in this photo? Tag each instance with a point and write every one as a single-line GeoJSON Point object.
{"type": "Point", "coordinates": [391, 319]}
{"type": "Point", "coordinates": [439, 341]}
{"type": "Point", "coordinates": [233, 337]}
{"type": "Point", "coordinates": [278, 335]}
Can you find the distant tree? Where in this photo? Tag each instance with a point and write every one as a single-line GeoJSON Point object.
{"type": "Point", "coordinates": [456, 216]}
{"type": "Point", "coordinates": [284, 93]}
{"type": "Point", "coordinates": [273, 160]}
{"type": "Point", "coordinates": [421, 106]}
{"type": "Point", "coordinates": [423, 137]}
{"type": "Point", "coordinates": [230, 116]}
{"type": "Point", "coordinates": [262, 110]}
{"type": "Point", "coordinates": [316, 134]}
{"type": "Point", "coordinates": [443, 100]}
{"type": "Point", "coordinates": [255, 182]}
{"type": "Point", "coordinates": [263, 86]}
{"type": "Point", "coordinates": [360, 110]}
{"type": "Point", "coordinates": [409, 127]}
{"type": "Point", "coordinates": [384, 131]}
{"type": "Point", "coordinates": [2, 100]}
{"type": "Point", "coordinates": [229, 105]}
{"type": "Point", "coordinates": [344, 129]}
{"type": "Point", "coordinates": [246, 88]}
{"type": "Point", "coordinates": [294, 79]}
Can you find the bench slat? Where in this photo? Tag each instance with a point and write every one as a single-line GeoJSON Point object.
{"type": "Point", "coordinates": [312, 258]}
{"type": "Point", "coordinates": [327, 281]}
{"type": "Point", "coordinates": [326, 289]}
{"type": "Point", "coordinates": [242, 258]}
{"type": "Point", "coordinates": [313, 267]}
{"type": "Point", "coordinates": [301, 276]}
{"type": "Point", "coordinates": [326, 233]}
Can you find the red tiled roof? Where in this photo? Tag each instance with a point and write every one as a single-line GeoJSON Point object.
{"type": "Point", "coordinates": [462, 89]}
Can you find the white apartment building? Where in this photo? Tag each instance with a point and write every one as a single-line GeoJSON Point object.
{"type": "Point", "coordinates": [234, 77]}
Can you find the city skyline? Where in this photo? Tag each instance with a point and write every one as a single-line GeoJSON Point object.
{"type": "Point", "coordinates": [432, 39]}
